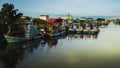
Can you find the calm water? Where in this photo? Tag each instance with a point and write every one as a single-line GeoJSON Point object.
{"type": "Point", "coordinates": [71, 51]}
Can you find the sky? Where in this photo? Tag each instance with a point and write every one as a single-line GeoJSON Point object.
{"type": "Point", "coordinates": [35, 8]}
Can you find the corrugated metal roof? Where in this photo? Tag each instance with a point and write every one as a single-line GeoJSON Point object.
{"type": "Point", "coordinates": [54, 20]}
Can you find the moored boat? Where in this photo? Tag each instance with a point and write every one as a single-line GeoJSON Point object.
{"type": "Point", "coordinates": [55, 33]}
{"type": "Point", "coordinates": [95, 30]}
{"type": "Point", "coordinates": [86, 32]}
{"type": "Point", "coordinates": [30, 34]}
{"type": "Point", "coordinates": [91, 32]}
{"type": "Point", "coordinates": [73, 28]}
{"type": "Point", "coordinates": [79, 30]}
{"type": "Point", "coordinates": [11, 39]}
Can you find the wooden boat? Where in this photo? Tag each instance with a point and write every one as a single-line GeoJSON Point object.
{"type": "Point", "coordinates": [70, 30]}
{"type": "Point", "coordinates": [55, 33]}
{"type": "Point", "coordinates": [79, 30]}
{"type": "Point", "coordinates": [91, 32]}
{"type": "Point", "coordinates": [30, 34]}
{"type": "Point", "coordinates": [94, 32]}
{"type": "Point", "coordinates": [86, 32]}
{"type": "Point", "coordinates": [73, 28]}
{"type": "Point", "coordinates": [11, 39]}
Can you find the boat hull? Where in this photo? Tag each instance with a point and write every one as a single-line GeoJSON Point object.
{"type": "Point", "coordinates": [20, 39]}
{"type": "Point", "coordinates": [91, 32]}
{"type": "Point", "coordinates": [79, 31]}
{"type": "Point", "coordinates": [95, 32]}
{"type": "Point", "coordinates": [48, 35]}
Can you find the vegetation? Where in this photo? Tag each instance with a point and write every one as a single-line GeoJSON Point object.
{"type": "Point", "coordinates": [10, 17]}
{"type": "Point", "coordinates": [117, 21]}
{"type": "Point", "coordinates": [39, 21]}
{"type": "Point", "coordinates": [77, 20]}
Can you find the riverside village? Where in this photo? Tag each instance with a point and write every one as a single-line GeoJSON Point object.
{"type": "Point", "coordinates": [52, 42]}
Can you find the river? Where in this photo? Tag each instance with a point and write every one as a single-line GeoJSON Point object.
{"type": "Point", "coordinates": [69, 51]}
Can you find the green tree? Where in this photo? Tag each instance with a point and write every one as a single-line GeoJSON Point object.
{"type": "Point", "coordinates": [11, 17]}
{"type": "Point", "coordinates": [77, 20]}
{"type": "Point", "coordinates": [39, 21]}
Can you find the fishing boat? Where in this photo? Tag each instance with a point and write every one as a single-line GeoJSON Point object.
{"type": "Point", "coordinates": [79, 30]}
{"type": "Point", "coordinates": [87, 30]}
{"type": "Point", "coordinates": [11, 39]}
{"type": "Point", "coordinates": [55, 33]}
{"type": "Point", "coordinates": [73, 28]}
{"type": "Point", "coordinates": [70, 30]}
{"type": "Point", "coordinates": [30, 34]}
{"type": "Point", "coordinates": [93, 31]}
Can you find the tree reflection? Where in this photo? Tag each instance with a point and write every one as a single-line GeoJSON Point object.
{"type": "Point", "coordinates": [13, 54]}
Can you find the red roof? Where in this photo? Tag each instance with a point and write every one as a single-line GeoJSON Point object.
{"type": "Point", "coordinates": [54, 20]}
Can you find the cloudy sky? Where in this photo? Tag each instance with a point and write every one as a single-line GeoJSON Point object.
{"type": "Point", "coordinates": [35, 8]}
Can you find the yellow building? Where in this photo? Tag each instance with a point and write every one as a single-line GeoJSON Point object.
{"type": "Point", "coordinates": [44, 17]}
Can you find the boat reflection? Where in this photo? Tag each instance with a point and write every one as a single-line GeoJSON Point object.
{"type": "Point", "coordinates": [82, 36]}
{"type": "Point", "coordinates": [49, 42]}
{"type": "Point", "coordinates": [103, 26]}
{"type": "Point", "coordinates": [13, 54]}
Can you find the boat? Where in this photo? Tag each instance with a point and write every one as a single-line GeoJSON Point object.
{"type": "Point", "coordinates": [73, 28]}
{"type": "Point", "coordinates": [70, 30]}
{"type": "Point", "coordinates": [30, 34]}
{"type": "Point", "coordinates": [91, 32]}
{"type": "Point", "coordinates": [79, 30]}
{"type": "Point", "coordinates": [86, 32]}
{"type": "Point", "coordinates": [94, 32]}
{"type": "Point", "coordinates": [11, 39]}
{"type": "Point", "coordinates": [91, 29]}
{"type": "Point", "coordinates": [55, 33]}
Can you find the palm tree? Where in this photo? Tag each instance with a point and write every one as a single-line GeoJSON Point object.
{"type": "Point", "coordinates": [10, 16]}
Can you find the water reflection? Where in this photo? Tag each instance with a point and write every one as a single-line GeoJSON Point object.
{"type": "Point", "coordinates": [13, 54]}
{"type": "Point", "coordinates": [82, 36]}
{"type": "Point", "coordinates": [74, 52]}
{"type": "Point", "coordinates": [49, 42]}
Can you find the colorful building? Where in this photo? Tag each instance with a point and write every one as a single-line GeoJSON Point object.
{"type": "Point", "coordinates": [44, 17]}
{"type": "Point", "coordinates": [69, 18]}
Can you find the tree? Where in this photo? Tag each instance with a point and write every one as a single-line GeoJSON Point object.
{"type": "Point", "coordinates": [77, 20]}
{"type": "Point", "coordinates": [39, 21]}
{"type": "Point", "coordinates": [11, 17]}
